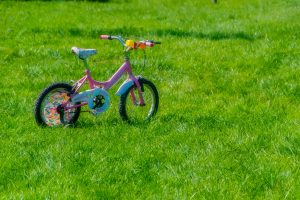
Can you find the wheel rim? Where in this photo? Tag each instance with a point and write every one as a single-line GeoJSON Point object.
{"type": "Point", "coordinates": [49, 107]}
{"type": "Point", "coordinates": [138, 112]}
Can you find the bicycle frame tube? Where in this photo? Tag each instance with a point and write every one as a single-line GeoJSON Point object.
{"type": "Point", "coordinates": [124, 68]}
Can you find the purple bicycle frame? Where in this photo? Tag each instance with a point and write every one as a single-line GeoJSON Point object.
{"type": "Point", "coordinates": [124, 68]}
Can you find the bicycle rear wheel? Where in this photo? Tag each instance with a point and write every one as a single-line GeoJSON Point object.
{"type": "Point", "coordinates": [132, 111]}
{"type": "Point", "coordinates": [47, 106]}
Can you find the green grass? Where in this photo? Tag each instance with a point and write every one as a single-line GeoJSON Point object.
{"type": "Point", "coordinates": [228, 125]}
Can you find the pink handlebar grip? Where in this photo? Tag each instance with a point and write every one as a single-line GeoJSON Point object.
{"type": "Point", "coordinates": [149, 44]}
{"type": "Point", "coordinates": [105, 37]}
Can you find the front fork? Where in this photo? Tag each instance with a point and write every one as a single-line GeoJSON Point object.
{"type": "Point", "coordinates": [140, 90]}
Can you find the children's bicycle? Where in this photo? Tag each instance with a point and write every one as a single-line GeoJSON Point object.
{"type": "Point", "coordinates": [60, 103]}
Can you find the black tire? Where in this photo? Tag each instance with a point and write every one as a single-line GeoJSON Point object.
{"type": "Point", "coordinates": [44, 106]}
{"type": "Point", "coordinates": [145, 113]}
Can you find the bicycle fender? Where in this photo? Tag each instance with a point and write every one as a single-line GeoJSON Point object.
{"type": "Point", "coordinates": [124, 87]}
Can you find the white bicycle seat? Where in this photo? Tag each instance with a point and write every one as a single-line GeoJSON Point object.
{"type": "Point", "coordinates": [83, 53]}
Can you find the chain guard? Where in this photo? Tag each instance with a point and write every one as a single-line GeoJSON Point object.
{"type": "Point", "coordinates": [92, 98]}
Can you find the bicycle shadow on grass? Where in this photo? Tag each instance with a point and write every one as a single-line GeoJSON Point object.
{"type": "Point", "coordinates": [98, 123]}
{"type": "Point", "coordinates": [217, 35]}
{"type": "Point", "coordinates": [134, 31]}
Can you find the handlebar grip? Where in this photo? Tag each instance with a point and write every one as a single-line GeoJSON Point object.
{"type": "Point", "coordinates": [149, 44]}
{"type": "Point", "coordinates": [157, 42]}
{"type": "Point", "coordinates": [105, 37]}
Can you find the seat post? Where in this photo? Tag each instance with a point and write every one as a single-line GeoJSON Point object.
{"type": "Point", "coordinates": [85, 64]}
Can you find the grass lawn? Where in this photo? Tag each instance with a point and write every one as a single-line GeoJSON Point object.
{"type": "Point", "coordinates": [228, 124]}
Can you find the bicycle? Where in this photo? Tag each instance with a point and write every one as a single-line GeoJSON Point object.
{"type": "Point", "coordinates": [60, 103]}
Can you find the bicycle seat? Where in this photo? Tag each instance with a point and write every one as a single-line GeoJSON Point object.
{"type": "Point", "coordinates": [83, 53]}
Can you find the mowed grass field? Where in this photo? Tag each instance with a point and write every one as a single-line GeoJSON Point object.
{"type": "Point", "coordinates": [228, 124]}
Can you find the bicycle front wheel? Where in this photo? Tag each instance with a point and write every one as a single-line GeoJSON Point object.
{"type": "Point", "coordinates": [47, 106]}
{"type": "Point", "coordinates": [131, 110]}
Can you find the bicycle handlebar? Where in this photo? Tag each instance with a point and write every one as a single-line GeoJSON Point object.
{"type": "Point", "coordinates": [110, 37]}
{"type": "Point", "coordinates": [105, 37]}
{"type": "Point", "coordinates": [149, 43]}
